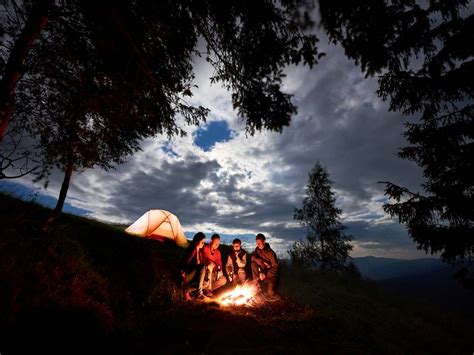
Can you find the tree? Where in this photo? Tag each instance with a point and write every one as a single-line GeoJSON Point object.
{"type": "Point", "coordinates": [103, 75]}
{"type": "Point", "coordinates": [17, 155]}
{"type": "Point", "coordinates": [153, 44]}
{"type": "Point", "coordinates": [77, 109]}
{"type": "Point", "coordinates": [423, 56]}
{"type": "Point", "coordinates": [32, 17]}
{"type": "Point", "coordinates": [326, 245]}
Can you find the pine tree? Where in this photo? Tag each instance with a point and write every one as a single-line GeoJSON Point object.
{"type": "Point", "coordinates": [326, 245]}
{"type": "Point", "coordinates": [423, 56]}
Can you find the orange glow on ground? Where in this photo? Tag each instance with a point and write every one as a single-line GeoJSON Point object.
{"type": "Point", "coordinates": [240, 296]}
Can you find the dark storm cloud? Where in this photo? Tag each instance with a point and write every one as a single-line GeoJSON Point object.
{"type": "Point", "coordinates": [273, 208]}
{"type": "Point", "coordinates": [387, 235]}
{"type": "Point", "coordinates": [340, 122]}
{"type": "Point", "coordinates": [357, 143]}
{"type": "Point", "coordinates": [258, 204]}
{"type": "Point", "coordinates": [170, 186]}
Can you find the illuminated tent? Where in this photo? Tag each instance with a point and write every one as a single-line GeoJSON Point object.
{"type": "Point", "coordinates": [160, 225]}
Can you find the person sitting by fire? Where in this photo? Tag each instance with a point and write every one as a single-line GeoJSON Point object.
{"type": "Point", "coordinates": [236, 264]}
{"type": "Point", "coordinates": [213, 266]}
{"type": "Point", "coordinates": [192, 267]}
{"type": "Point", "coordinates": [264, 266]}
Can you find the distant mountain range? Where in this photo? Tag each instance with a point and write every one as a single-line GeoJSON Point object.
{"type": "Point", "coordinates": [376, 268]}
{"type": "Point", "coordinates": [425, 279]}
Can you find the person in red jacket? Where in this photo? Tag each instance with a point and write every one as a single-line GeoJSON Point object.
{"type": "Point", "coordinates": [213, 265]}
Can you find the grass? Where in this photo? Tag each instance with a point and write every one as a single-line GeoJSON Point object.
{"type": "Point", "coordinates": [87, 286]}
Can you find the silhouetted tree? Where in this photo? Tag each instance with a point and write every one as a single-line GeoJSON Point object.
{"type": "Point", "coordinates": [150, 46]}
{"type": "Point", "coordinates": [423, 54]}
{"type": "Point", "coordinates": [105, 74]}
{"type": "Point", "coordinates": [326, 244]}
{"type": "Point", "coordinates": [70, 110]}
{"type": "Point", "coordinates": [18, 156]}
{"type": "Point", "coordinates": [22, 22]}
{"type": "Point", "coordinates": [79, 111]}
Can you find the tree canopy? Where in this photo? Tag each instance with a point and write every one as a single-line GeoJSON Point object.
{"type": "Point", "coordinates": [422, 54]}
{"type": "Point", "coordinates": [99, 76]}
{"type": "Point", "coordinates": [148, 48]}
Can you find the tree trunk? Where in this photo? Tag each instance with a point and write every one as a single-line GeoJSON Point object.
{"type": "Point", "coordinates": [14, 67]}
{"type": "Point", "coordinates": [62, 195]}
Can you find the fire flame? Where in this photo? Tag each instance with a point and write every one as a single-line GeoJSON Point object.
{"type": "Point", "coordinates": [241, 295]}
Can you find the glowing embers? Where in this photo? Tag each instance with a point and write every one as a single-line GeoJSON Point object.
{"type": "Point", "coordinates": [242, 295]}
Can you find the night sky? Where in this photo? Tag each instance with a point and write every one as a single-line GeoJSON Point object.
{"type": "Point", "coordinates": [218, 179]}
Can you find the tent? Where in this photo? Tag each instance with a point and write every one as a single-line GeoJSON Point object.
{"type": "Point", "coordinates": [159, 224]}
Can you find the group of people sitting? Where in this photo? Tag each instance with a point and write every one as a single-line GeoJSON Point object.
{"type": "Point", "coordinates": [202, 267]}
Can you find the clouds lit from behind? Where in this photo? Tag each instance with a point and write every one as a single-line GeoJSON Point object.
{"type": "Point", "coordinates": [218, 179]}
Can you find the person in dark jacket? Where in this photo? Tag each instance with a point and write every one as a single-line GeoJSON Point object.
{"type": "Point", "coordinates": [264, 265]}
{"type": "Point", "coordinates": [192, 266]}
{"type": "Point", "coordinates": [236, 263]}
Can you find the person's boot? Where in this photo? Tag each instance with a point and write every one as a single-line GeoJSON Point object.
{"type": "Point", "coordinates": [271, 295]}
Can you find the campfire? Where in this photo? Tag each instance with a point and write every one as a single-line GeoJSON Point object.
{"type": "Point", "coordinates": [242, 295]}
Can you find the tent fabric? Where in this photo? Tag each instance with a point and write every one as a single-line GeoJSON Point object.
{"type": "Point", "coordinates": [159, 224]}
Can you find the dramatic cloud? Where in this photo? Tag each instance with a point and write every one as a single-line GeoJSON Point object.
{"type": "Point", "coordinates": [219, 179]}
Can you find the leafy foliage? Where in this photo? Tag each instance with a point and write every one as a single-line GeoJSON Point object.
{"type": "Point", "coordinates": [142, 53]}
{"type": "Point", "coordinates": [103, 75]}
{"type": "Point", "coordinates": [326, 244]}
{"type": "Point", "coordinates": [423, 54]}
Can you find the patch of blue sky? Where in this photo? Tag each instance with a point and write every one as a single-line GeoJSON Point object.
{"type": "Point", "coordinates": [168, 149]}
{"type": "Point", "coordinates": [26, 193]}
{"type": "Point", "coordinates": [213, 132]}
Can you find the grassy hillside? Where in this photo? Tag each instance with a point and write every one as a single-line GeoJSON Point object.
{"type": "Point", "coordinates": [437, 286]}
{"type": "Point", "coordinates": [87, 286]}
